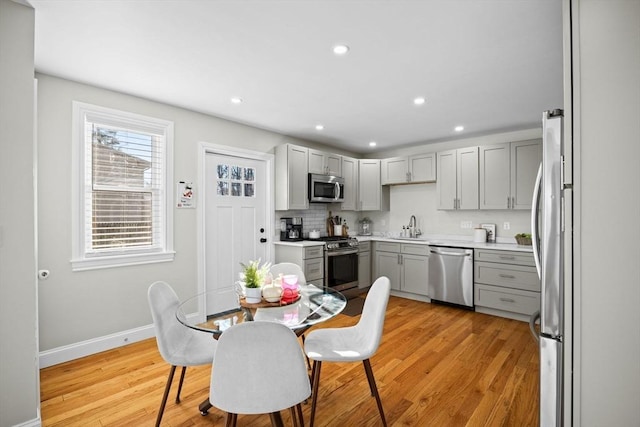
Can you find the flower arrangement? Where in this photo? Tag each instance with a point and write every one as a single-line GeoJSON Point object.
{"type": "Point", "coordinates": [254, 273]}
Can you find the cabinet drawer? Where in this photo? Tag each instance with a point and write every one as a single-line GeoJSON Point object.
{"type": "Point", "coordinates": [511, 276]}
{"type": "Point", "coordinates": [505, 257]}
{"type": "Point", "coordinates": [314, 252]}
{"type": "Point", "coordinates": [513, 300]}
{"type": "Point", "coordinates": [364, 246]}
{"type": "Point", "coordinates": [415, 249]}
{"type": "Point", "coordinates": [314, 270]}
{"type": "Point", "coordinates": [388, 247]}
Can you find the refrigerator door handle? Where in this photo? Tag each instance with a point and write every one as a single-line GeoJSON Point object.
{"type": "Point", "coordinates": [535, 212]}
{"type": "Point", "coordinates": [532, 325]}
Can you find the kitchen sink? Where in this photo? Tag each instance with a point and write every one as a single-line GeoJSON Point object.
{"type": "Point", "coordinates": [415, 239]}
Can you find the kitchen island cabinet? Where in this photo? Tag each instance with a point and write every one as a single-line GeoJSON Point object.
{"type": "Point", "coordinates": [506, 283]}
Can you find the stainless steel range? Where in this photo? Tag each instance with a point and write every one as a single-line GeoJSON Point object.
{"type": "Point", "coordinates": [340, 262]}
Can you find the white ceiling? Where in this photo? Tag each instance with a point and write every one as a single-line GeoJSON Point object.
{"type": "Point", "coordinates": [489, 65]}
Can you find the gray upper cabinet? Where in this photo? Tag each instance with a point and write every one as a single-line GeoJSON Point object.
{"type": "Point", "coordinates": [350, 175]}
{"type": "Point", "coordinates": [457, 179]}
{"type": "Point", "coordinates": [324, 163]}
{"type": "Point", "coordinates": [507, 174]}
{"type": "Point", "coordinates": [412, 169]}
{"type": "Point", "coordinates": [291, 172]}
{"type": "Point", "coordinates": [372, 196]}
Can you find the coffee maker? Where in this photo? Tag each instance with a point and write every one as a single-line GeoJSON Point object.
{"type": "Point", "coordinates": [291, 229]}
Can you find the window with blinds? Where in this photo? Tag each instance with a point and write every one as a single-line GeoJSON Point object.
{"type": "Point", "coordinates": [124, 200]}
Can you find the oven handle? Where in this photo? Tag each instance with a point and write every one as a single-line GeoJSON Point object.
{"type": "Point", "coordinates": [342, 252]}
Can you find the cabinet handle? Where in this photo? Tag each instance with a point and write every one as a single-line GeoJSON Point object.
{"type": "Point", "coordinates": [507, 257]}
{"type": "Point", "coordinates": [408, 176]}
{"type": "Point", "coordinates": [513, 203]}
{"type": "Point", "coordinates": [508, 202]}
{"type": "Point", "coordinates": [507, 276]}
{"type": "Point", "coordinates": [507, 299]}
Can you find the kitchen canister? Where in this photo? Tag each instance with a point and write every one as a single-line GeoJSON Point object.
{"type": "Point", "coordinates": [479, 235]}
{"type": "Point", "coordinates": [337, 230]}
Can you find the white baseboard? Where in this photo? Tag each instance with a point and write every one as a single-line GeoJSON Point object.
{"type": "Point", "coordinates": [37, 422]}
{"type": "Point", "coordinates": [95, 345]}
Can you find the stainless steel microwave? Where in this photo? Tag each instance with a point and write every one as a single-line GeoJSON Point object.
{"type": "Point", "coordinates": [326, 188]}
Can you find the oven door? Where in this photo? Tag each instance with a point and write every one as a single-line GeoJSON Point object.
{"type": "Point", "coordinates": [341, 269]}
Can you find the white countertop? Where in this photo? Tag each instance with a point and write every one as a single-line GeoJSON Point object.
{"type": "Point", "coordinates": [426, 240]}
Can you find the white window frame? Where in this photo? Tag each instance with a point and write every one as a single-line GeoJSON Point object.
{"type": "Point", "coordinates": [83, 258]}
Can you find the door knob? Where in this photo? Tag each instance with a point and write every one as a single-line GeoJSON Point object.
{"type": "Point", "coordinates": [263, 240]}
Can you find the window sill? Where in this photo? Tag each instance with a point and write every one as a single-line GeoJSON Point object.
{"type": "Point", "coordinates": [114, 261]}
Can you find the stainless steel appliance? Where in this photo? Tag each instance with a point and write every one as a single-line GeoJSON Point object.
{"type": "Point", "coordinates": [451, 275]}
{"type": "Point", "coordinates": [340, 262]}
{"type": "Point", "coordinates": [291, 229]}
{"type": "Point", "coordinates": [551, 194]}
{"type": "Point", "coordinates": [326, 188]}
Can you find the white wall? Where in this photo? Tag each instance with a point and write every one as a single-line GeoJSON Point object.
{"type": "Point", "coordinates": [19, 380]}
{"type": "Point", "coordinates": [607, 139]}
{"type": "Point", "coordinates": [90, 305]}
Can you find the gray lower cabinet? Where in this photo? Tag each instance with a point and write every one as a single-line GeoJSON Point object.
{"type": "Point", "coordinates": [309, 258]}
{"type": "Point", "coordinates": [364, 264]}
{"type": "Point", "coordinates": [406, 265]}
{"type": "Point", "coordinates": [506, 283]}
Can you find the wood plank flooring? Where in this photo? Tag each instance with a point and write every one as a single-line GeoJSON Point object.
{"type": "Point", "coordinates": [436, 366]}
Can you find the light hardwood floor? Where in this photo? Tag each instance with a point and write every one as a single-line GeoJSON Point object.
{"type": "Point", "coordinates": [436, 366]}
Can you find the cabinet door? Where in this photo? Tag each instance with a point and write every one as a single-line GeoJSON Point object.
{"type": "Point", "coordinates": [298, 179]}
{"type": "Point", "coordinates": [415, 273]}
{"type": "Point", "coordinates": [446, 182]}
{"type": "Point", "coordinates": [350, 175]}
{"type": "Point", "coordinates": [387, 265]}
{"type": "Point", "coordinates": [525, 159]}
{"type": "Point", "coordinates": [369, 189]}
{"type": "Point", "coordinates": [333, 164]}
{"type": "Point", "coordinates": [422, 167]}
{"type": "Point", "coordinates": [364, 269]}
{"type": "Point", "coordinates": [394, 170]}
{"type": "Point", "coordinates": [467, 174]}
{"type": "Point", "coordinates": [494, 177]}
{"type": "Point", "coordinates": [316, 162]}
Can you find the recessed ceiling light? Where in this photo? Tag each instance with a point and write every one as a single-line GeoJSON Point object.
{"type": "Point", "coordinates": [419, 100]}
{"type": "Point", "coordinates": [236, 100]}
{"type": "Point", "coordinates": [372, 144]}
{"type": "Point", "coordinates": [459, 128]}
{"type": "Point", "coordinates": [319, 127]}
{"type": "Point", "coordinates": [340, 49]}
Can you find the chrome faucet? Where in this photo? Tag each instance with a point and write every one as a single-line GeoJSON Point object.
{"type": "Point", "coordinates": [413, 229]}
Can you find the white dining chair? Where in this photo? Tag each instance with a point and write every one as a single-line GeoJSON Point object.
{"type": "Point", "coordinates": [178, 344]}
{"type": "Point", "coordinates": [285, 268]}
{"type": "Point", "coordinates": [259, 369]}
{"type": "Point", "coordinates": [351, 344]}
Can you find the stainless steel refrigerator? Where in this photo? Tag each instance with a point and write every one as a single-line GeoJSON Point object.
{"type": "Point", "coordinates": [547, 225]}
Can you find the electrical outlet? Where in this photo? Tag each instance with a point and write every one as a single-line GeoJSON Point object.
{"type": "Point", "coordinates": [506, 226]}
{"type": "Point", "coordinates": [466, 224]}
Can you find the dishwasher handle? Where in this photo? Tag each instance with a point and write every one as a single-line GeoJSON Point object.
{"type": "Point", "coordinates": [462, 254]}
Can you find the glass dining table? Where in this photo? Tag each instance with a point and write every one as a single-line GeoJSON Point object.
{"type": "Point", "coordinates": [315, 304]}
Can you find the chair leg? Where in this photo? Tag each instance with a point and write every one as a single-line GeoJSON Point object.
{"type": "Point", "coordinates": [166, 394]}
{"type": "Point", "coordinates": [231, 420]}
{"type": "Point", "coordinates": [305, 355]}
{"type": "Point", "coordinates": [374, 388]}
{"type": "Point", "coordinates": [300, 416]}
{"type": "Point", "coordinates": [276, 419]}
{"type": "Point", "coordinates": [184, 370]}
{"type": "Point", "coordinates": [315, 383]}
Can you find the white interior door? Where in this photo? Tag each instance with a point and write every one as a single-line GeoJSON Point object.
{"type": "Point", "coordinates": [236, 223]}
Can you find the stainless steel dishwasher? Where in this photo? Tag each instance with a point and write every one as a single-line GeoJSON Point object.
{"type": "Point", "coordinates": [451, 275]}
